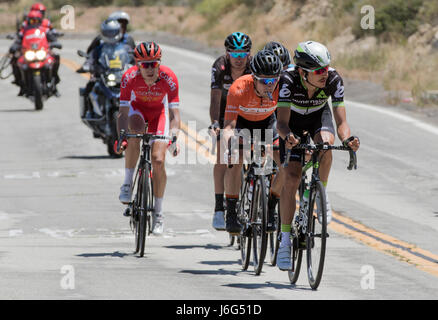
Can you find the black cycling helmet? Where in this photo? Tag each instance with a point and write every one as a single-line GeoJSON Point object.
{"type": "Point", "coordinates": [266, 63]}
{"type": "Point", "coordinates": [280, 51]}
{"type": "Point", "coordinates": [311, 55]}
{"type": "Point", "coordinates": [110, 31]}
{"type": "Point", "coordinates": [238, 41]}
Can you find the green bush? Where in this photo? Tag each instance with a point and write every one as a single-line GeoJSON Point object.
{"type": "Point", "coordinates": [393, 19]}
{"type": "Point", "coordinates": [212, 9]}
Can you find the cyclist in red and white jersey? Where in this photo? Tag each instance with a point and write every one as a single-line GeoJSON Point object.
{"type": "Point", "coordinates": [148, 93]}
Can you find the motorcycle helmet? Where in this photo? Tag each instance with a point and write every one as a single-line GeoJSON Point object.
{"type": "Point", "coordinates": [38, 7]}
{"type": "Point", "coordinates": [110, 31]}
{"type": "Point", "coordinates": [34, 18]}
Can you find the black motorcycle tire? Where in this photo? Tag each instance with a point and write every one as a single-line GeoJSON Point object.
{"type": "Point", "coordinates": [37, 92]}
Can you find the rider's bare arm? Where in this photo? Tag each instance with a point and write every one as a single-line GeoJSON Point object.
{"type": "Point", "coordinates": [343, 129]}
{"type": "Point", "coordinates": [122, 119]}
{"type": "Point", "coordinates": [283, 115]}
{"type": "Point", "coordinates": [215, 101]}
{"type": "Point", "coordinates": [175, 121]}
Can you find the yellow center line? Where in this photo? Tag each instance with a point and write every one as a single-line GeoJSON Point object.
{"type": "Point", "coordinates": [406, 252]}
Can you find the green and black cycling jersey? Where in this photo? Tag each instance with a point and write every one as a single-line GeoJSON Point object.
{"type": "Point", "coordinates": [221, 79]}
{"type": "Point", "coordinates": [293, 92]}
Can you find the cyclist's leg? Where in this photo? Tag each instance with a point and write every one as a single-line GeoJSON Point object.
{"type": "Point", "coordinates": [136, 124]}
{"type": "Point", "coordinates": [219, 170]}
{"type": "Point", "coordinates": [292, 175]}
{"type": "Point", "coordinates": [159, 176]}
{"type": "Point", "coordinates": [326, 157]}
{"type": "Point", "coordinates": [159, 124]}
{"type": "Point", "coordinates": [324, 132]}
{"type": "Point", "coordinates": [232, 190]}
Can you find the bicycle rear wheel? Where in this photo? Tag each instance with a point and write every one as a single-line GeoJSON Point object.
{"type": "Point", "coordinates": [316, 235]}
{"type": "Point", "coordinates": [274, 238]}
{"type": "Point", "coordinates": [259, 217]}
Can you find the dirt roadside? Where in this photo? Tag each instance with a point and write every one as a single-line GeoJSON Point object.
{"type": "Point", "coordinates": [355, 89]}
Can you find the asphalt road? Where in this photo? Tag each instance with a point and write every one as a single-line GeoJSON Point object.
{"type": "Point", "coordinates": [63, 235]}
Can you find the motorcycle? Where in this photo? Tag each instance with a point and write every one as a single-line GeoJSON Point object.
{"type": "Point", "coordinates": [99, 108]}
{"type": "Point", "coordinates": [36, 65]}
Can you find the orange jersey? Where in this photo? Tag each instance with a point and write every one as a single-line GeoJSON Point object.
{"type": "Point", "coordinates": [243, 101]}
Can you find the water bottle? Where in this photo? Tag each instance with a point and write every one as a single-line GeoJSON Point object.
{"type": "Point", "coordinates": [303, 207]}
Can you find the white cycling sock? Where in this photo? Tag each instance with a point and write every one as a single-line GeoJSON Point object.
{"type": "Point", "coordinates": [285, 239]}
{"type": "Point", "coordinates": [129, 174]}
{"type": "Point", "coordinates": [158, 204]}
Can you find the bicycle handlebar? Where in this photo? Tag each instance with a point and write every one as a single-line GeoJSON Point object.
{"type": "Point", "coordinates": [320, 146]}
{"type": "Point", "coordinates": [147, 136]}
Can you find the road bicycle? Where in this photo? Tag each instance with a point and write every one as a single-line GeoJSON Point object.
{"type": "Point", "coordinates": [252, 211]}
{"type": "Point", "coordinates": [309, 227]}
{"type": "Point", "coordinates": [141, 208]}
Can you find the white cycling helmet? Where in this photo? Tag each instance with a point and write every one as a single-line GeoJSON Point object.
{"type": "Point", "coordinates": [310, 55]}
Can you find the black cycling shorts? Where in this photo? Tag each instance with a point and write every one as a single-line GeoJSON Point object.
{"type": "Point", "coordinates": [259, 130]}
{"type": "Point", "coordinates": [313, 123]}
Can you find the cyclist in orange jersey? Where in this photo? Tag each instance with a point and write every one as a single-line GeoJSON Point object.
{"type": "Point", "coordinates": [251, 103]}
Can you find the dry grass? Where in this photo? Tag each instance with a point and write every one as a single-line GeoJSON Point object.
{"type": "Point", "coordinates": [394, 65]}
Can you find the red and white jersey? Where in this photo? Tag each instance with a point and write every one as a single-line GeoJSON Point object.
{"type": "Point", "coordinates": [135, 93]}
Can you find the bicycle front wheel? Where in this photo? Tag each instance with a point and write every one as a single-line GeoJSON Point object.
{"type": "Point", "coordinates": [136, 212]}
{"type": "Point", "coordinates": [297, 248]}
{"type": "Point", "coordinates": [274, 238]}
{"type": "Point", "coordinates": [316, 234]}
{"type": "Point", "coordinates": [245, 235]}
{"type": "Point", "coordinates": [259, 210]}
{"type": "Point", "coordinates": [143, 220]}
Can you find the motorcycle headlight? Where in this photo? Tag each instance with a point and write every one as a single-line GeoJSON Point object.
{"type": "Point", "coordinates": [40, 54]}
{"type": "Point", "coordinates": [29, 55]}
{"type": "Point", "coordinates": [111, 80]}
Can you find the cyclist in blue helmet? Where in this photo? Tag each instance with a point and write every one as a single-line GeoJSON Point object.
{"type": "Point", "coordinates": [227, 68]}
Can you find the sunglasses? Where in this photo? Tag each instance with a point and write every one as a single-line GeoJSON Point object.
{"type": "Point", "coordinates": [320, 70]}
{"type": "Point", "coordinates": [149, 64]}
{"type": "Point", "coordinates": [238, 54]}
{"type": "Point", "coordinates": [267, 81]}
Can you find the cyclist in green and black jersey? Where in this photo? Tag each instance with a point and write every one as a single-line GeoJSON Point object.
{"type": "Point", "coordinates": [303, 106]}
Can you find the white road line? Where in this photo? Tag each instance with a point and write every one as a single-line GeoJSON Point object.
{"type": "Point", "coordinates": [419, 124]}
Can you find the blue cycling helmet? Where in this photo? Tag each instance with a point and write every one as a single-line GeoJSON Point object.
{"type": "Point", "coordinates": [238, 41]}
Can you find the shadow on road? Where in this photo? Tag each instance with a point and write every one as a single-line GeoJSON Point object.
{"type": "Point", "coordinates": [185, 247]}
{"type": "Point", "coordinates": [267, 284]}
{"type": "Point", "coordinates": [116, 254]}
{"type": "Point", "coordinates": [87, 157]}
{"type": "Point", "coordinates": [18, 110]}
{"type": "Point", "coordinates": [217, 272]}
{"type": "Point", "coordinates": [216, 263]}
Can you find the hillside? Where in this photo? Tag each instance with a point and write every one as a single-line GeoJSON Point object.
{"type": "Point", "coordinates": [400, 53]}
